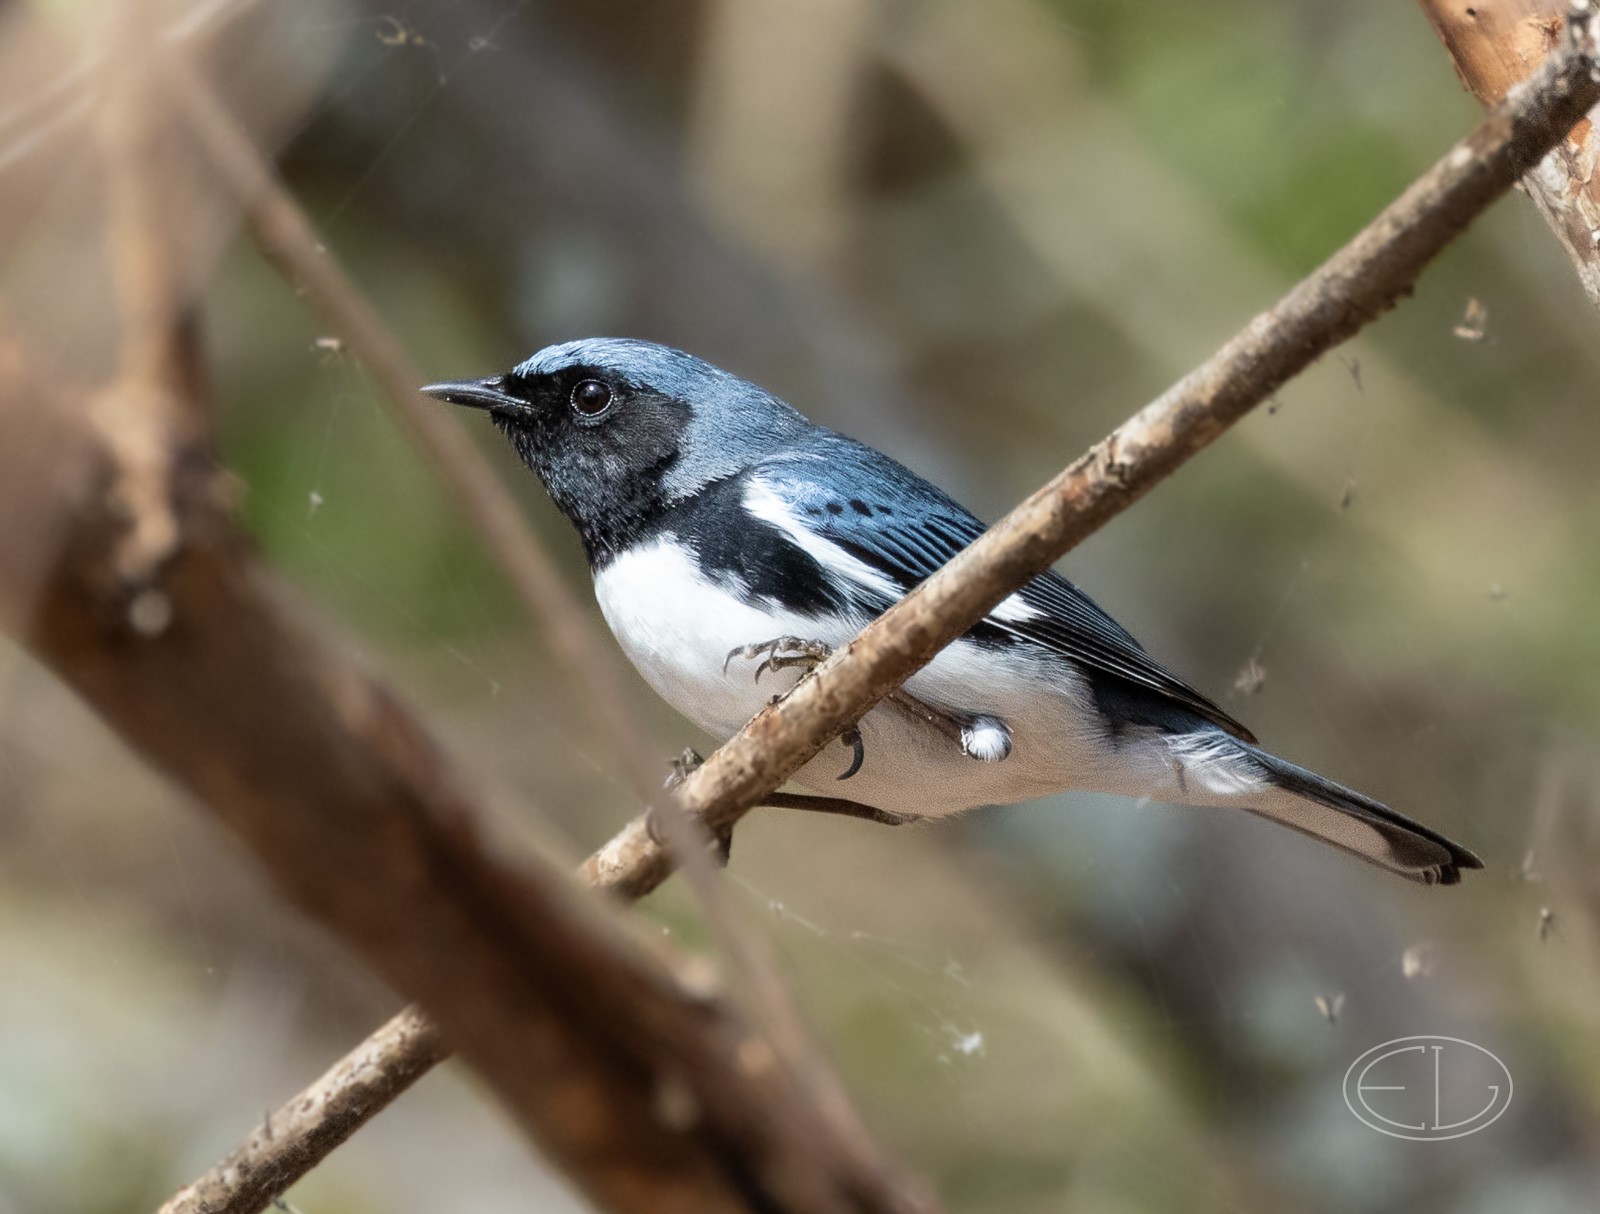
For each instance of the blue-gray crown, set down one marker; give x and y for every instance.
(732, 422)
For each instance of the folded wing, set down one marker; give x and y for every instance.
(878, 513)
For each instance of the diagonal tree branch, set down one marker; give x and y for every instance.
(301, 1134)
(1356, 285)
(1348, 291)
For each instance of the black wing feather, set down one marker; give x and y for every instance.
(885, 515)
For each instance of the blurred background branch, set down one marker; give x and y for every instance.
(591, 668)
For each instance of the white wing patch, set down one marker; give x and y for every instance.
(1213, 762)
(766, 505)
(1013, 610)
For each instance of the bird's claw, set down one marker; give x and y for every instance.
(790, 652)
(781, 653)
(682, 765)
(852, 738)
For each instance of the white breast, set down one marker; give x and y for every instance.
(677, 627)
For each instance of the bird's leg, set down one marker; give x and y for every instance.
(836, 805)
(981, 736)
(690, 759)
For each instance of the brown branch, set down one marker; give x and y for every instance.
(1494, 45)
(293, 1140)
(1354, 287)
(651, 1094)
(154, 390)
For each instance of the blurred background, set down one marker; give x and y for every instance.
(977, 236)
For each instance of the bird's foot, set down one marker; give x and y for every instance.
(685, 762)
(787, 653)
(781, 653)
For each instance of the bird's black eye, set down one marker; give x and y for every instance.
(591, 398)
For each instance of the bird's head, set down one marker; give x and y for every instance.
(619, 430)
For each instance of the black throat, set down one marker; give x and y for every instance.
(610, 512)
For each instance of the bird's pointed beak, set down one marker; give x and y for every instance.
(487, 394)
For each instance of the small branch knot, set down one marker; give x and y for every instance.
(1112, 461)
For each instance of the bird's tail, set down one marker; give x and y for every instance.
(1304, 801)
(1216, 768)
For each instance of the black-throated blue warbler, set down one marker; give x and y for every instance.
(719, 524)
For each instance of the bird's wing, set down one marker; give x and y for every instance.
(882, 515)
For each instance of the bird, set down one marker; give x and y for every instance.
(729, 538)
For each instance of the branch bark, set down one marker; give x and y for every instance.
(1494, 45)
(1352, 288)
(300, 1135)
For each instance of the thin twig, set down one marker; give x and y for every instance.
(1355, 286)
(298, 1136)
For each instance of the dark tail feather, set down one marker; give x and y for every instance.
(1358, 824)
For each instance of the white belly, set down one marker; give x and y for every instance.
(677, 627)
